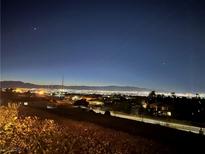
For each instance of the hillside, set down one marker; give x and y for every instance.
(20, 84)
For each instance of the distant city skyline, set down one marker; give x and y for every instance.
(150, 44)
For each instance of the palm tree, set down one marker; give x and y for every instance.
(197, 95)
(173, 94)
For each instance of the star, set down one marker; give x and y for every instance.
(35, 28)
(163, 63)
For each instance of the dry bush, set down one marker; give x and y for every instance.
(33, 135)
(27, 135)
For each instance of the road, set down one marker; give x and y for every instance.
(178, 126)
(183, 127)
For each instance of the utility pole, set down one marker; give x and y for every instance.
(62, 86)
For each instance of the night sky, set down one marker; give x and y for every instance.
(152, 44)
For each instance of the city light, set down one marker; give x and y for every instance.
(41, 92)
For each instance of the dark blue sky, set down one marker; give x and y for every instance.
(156, 44)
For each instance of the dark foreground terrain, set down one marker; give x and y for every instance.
(116, 135)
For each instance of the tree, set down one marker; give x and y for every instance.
(107, 113)
(81, 102)
(173, 94)
(28, 94)
(197, 95)
(152, 97)
(9, 90)
(152, 94)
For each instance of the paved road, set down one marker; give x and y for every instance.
(178, 126)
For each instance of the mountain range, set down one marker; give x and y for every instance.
(20, 84)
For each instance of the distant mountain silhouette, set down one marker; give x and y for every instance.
(20, 84)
